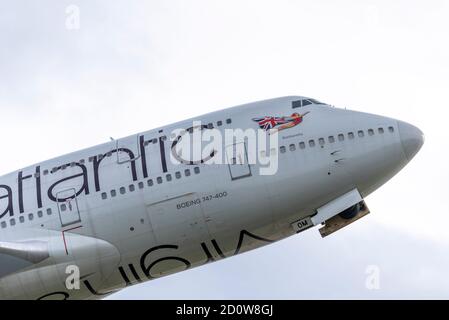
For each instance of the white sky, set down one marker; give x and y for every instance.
(136, 65)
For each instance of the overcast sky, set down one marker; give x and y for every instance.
(135, 65)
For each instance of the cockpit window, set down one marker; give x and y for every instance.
(296, 104)
(316, 101)
(305, 102)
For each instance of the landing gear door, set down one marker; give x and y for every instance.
(237, 159)
(68, 208)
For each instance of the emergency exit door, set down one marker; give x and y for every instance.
(237, 159)
(68, 207)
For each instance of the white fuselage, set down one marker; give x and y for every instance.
(124, 213)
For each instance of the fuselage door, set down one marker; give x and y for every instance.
(68, 207)
(237, 159)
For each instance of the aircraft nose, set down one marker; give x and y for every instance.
(412, 139)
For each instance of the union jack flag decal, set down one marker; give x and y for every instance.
(280, 123)
(266, 123)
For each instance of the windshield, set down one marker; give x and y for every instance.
(305, 102)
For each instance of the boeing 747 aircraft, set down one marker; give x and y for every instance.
(86, 224)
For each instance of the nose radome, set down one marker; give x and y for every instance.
(412, 139)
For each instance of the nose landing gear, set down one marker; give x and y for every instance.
(345, 218)
(351, 212)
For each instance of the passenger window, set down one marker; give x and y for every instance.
(361, 134)
(122, 190)
(381, 130)
(282, 148)
(178, 175)
(30, 216)
(321, 141)
(228, 121)
(219, 123)
(140, 184)
(63, 207)
(302, 145)
(371, 132)
(196, 170)
(187, 172)
(12, 222)
(292, 147)
(103, 196)
(150, 183)
(351, 135)
(40, 214)
(159, 180)
(341, 137)
(391, 129)
(312, 143)
(3, 224)
(331, 139)
(113, 193)
(21, 219)
(168, 176)
(49, 211)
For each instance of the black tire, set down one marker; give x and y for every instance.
(351, 212)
